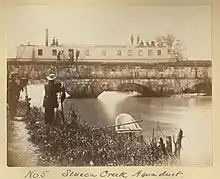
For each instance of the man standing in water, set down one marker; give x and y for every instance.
(50, 102)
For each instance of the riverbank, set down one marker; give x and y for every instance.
(20, 152)
(81, 144)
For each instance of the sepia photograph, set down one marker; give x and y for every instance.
(109, 86)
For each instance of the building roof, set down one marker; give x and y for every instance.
(89, 45)
(106, 46)
(96, 45)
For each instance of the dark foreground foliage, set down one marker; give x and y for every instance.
(80, 144)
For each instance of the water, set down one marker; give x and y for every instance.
(36, 93)
(165, 115)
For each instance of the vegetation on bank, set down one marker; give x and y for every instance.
(205, 86)
(80, 144)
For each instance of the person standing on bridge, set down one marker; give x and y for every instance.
(77, 55)
(50, 102)
(59, 56)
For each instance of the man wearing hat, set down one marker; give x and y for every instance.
(13, 94)
(50, 99)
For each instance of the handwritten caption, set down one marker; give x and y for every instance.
(103, 174)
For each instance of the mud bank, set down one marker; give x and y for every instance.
(21, 153)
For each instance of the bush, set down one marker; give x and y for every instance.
(79, 144)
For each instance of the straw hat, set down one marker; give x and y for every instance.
(51, 77)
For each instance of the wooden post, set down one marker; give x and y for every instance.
(162, 146)
(178, 144)
(169, 145)
(153, 139)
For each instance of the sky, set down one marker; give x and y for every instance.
(112, 25)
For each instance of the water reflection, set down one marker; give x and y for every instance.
(111, 100)
(193, 115)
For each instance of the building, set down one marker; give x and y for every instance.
(92, 53)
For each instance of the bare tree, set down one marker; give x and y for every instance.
(174, 45)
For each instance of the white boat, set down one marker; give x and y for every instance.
(125, 123)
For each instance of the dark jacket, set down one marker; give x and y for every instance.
(51, 90)
(13, 91)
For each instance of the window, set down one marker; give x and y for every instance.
(150, 52)
(40, 52)
(118, 52)
(87, 53)
(158, 52)
(103, 52)
(54, 52)
(129, 52)
(140, 52)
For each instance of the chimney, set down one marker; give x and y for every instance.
(46, 44)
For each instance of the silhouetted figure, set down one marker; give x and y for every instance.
(50, 99)
(59, 56)
(13, 93)
(177, 57)
(138, 40)
(147, 44)
(152, 44)
(132, 39)
(71, 56)
(57, 42)
(77, 55)
(141, 44)
(54, 41)
(159, 44)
